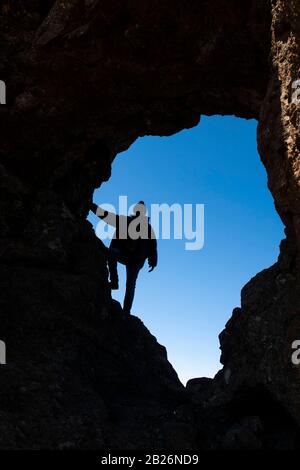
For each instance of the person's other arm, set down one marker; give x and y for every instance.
(152, 257)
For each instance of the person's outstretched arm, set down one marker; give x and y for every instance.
(108, 217)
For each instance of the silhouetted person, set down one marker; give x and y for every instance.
(133, 242)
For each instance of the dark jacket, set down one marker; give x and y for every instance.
(137, 250)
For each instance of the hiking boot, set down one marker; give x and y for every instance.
(114, 285)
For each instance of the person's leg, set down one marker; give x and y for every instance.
(132, 272)
(113, 268)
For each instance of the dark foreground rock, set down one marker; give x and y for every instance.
(95, 381)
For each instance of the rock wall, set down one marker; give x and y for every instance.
(257, 343)
(84, 79)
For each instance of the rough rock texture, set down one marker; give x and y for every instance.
(84, 79)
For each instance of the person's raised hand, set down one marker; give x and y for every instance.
(94, 208)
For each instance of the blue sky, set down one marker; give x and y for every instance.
(186, 301)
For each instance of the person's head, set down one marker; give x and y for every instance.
(140, 209)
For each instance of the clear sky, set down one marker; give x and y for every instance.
(186, 301)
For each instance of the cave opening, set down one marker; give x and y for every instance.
(188, 299)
